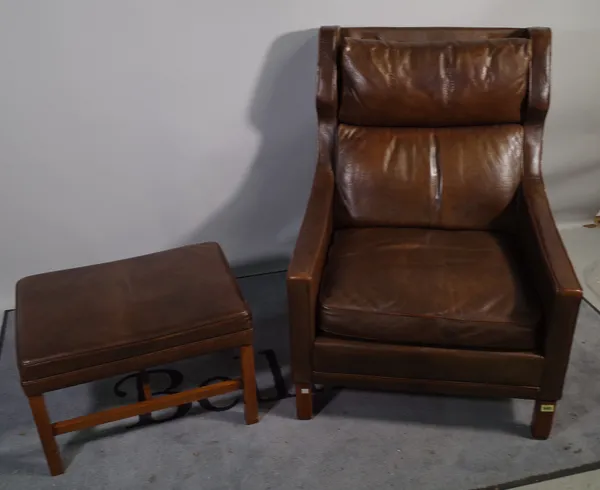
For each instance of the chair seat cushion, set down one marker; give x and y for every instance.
(88, 316)
(427, 287)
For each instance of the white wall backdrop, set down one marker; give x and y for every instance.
(130, 126)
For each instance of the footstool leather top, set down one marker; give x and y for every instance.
(89, 316)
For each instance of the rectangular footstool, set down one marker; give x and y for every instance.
(80, 325)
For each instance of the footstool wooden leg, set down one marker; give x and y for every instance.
(543, 416)
(304, 402)
(249, 383)
(145, 385)
(144, 391)
(44, 427)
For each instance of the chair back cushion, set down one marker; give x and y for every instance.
(433, 84)
(424, 177)
(430, 134)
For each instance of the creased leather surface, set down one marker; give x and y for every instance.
(427, 287)
(88, 316)
(386, 83)
(441, 178)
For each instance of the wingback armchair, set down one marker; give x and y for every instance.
(428, 259)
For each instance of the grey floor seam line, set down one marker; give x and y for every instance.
(261, 274)
(543, 477)
(591, 305)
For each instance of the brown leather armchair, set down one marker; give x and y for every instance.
(428, 259)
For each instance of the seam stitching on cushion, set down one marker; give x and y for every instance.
(62, 357)
(429, 317)
(431, 345)
(34, 381)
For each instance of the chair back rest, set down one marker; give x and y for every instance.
(428, 127)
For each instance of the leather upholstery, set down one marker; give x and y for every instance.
(420, 177)
(427, 287)
(387, 83)
(339, 355)
(556, 284)
(430, 34)
(439, 137)
(137, 363)
(306, 267)
(106, 313)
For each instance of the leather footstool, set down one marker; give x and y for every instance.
(83, 324)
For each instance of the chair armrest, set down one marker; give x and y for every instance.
(556, 283)
(305, 269)
(547, 240)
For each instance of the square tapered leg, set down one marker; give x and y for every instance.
(304, 402)
(45, 431)
(249, 382)
(543, 417)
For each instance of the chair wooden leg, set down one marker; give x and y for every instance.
(543, 416)
(249, 383)
(304, 401)
(44, 428)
